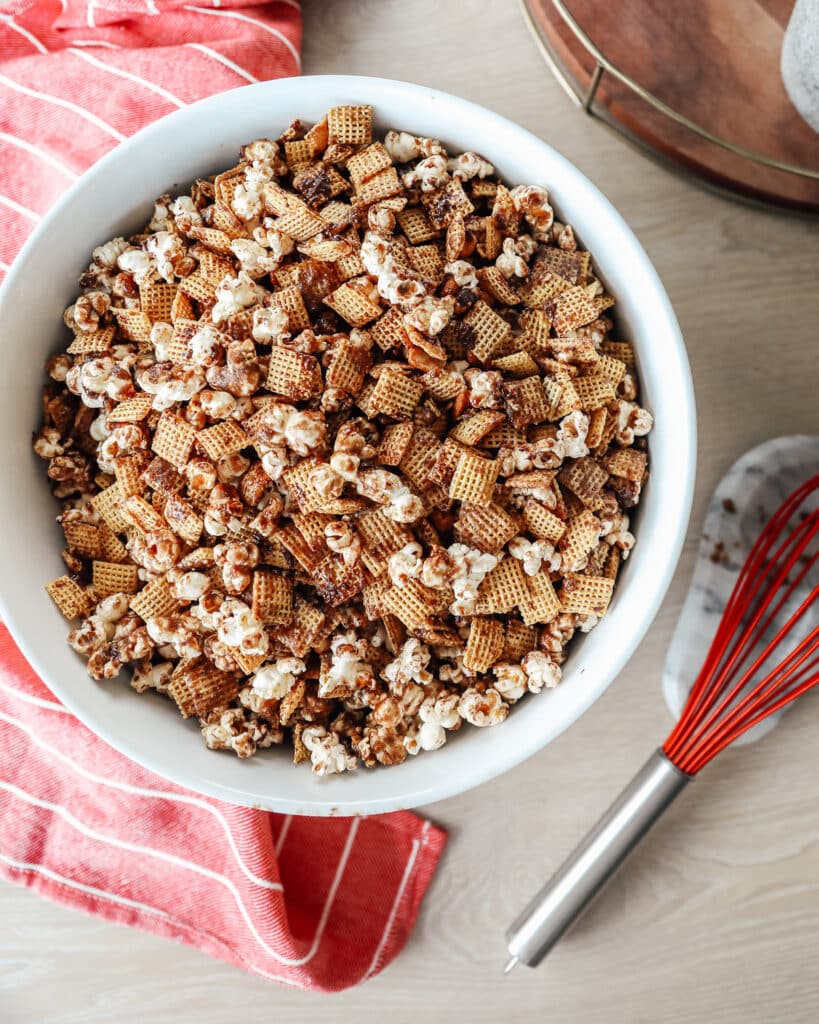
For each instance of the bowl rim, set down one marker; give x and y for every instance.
(668, 556)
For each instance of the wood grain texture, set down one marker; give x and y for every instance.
(717, 918)
(715, 63)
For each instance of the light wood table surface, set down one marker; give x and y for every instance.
(716, 918)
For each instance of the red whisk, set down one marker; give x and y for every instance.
(764, 655)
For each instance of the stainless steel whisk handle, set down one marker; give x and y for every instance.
(564, 898)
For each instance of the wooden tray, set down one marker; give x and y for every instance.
(662, 72)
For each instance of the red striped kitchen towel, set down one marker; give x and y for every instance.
(78, 76)
(315, 903)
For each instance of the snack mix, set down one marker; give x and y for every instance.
(345, 452)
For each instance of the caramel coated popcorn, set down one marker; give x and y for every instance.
(345, 449)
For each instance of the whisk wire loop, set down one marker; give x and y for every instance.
(758, 704)
(726, 681)
(726, 630)
(727, 699)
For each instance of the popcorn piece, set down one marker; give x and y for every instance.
(234, 294)
(405, 564)
(469, 165)
(572, 433)
(482, 709)
(533, 554)
(510, 263)
(270, 325)
(341, 538)
(431, 315)
(188, 586)
(470, 568)
(409, 667)
(429, 174)
(346, 671)
(437, 715)
(533, 202)
(463, 274)
(401, 146)
(238, 627)
(540, 671)
(622, 541)
(510, 681)
(147, 676)
(327, 754)
(276, 680)
(236, 730)
(632, 421)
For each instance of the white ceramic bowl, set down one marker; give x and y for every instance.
(113, 198)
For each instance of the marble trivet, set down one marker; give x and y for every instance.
(800, 60)
(750, 492)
